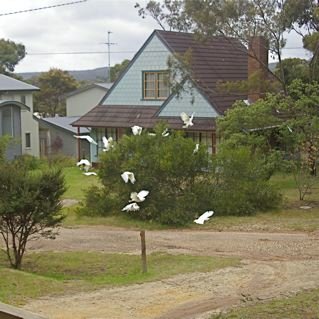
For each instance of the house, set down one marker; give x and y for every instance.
(57, 133)
(16, 117)
(142, 96)
(82, 100)
(57, 137)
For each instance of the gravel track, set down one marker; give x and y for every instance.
(273, 265)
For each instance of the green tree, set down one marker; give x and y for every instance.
(11, 54)
(118, 68)
(294, 68)
(29, 206)
(53, 85)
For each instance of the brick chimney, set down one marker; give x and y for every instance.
(257, 66)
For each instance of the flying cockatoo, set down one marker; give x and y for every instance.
(86, 137)
(165, 132)
(108, 143)
(131, 207)
(139, 197)
(128, 176)
(137, 130)
(204, 217)
(289, 128)
(90, 174)
(196, 149)
(85, 164)
(188, 120)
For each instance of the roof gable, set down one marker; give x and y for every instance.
(10, 84)
(217, 59)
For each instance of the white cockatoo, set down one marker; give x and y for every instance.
(86, 137)
(165, 132)
(131, 207)
(204, 217)
(196, 149)
(90, 174)
(188, 120)
(139, 197)
(289, 128)
(85, 164)
(128, 176)
(137, 130)
(108, 143)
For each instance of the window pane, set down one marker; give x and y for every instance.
(150, 94)
(7, 122)
(28, 140)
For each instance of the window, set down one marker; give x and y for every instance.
(28, 140)
(22, 99)
(7, 121)
(204, 138)
(155, 85)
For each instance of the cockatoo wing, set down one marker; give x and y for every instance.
(125, 177)
(207, 214)
(142, 194)
(134, 197)
(184, 117)
(105, 142)
(131, 207)
(131, 177)
(90, 174)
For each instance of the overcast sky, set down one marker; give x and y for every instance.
(81, 27)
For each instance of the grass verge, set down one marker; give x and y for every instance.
(66, 272)
(304, 305)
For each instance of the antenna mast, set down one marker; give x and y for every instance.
(109, 43)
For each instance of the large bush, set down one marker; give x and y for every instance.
(165, 166)
(242, 183)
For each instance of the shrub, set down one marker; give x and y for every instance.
(165, 166)
(242, 183)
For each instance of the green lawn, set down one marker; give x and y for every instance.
(77, 183)
(288, 218)
(305, 305)
(67, 272)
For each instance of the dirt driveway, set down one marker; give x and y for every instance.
(273, 264)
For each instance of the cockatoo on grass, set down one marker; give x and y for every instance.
(137, 130)
(86, 137)
(128, 176)
(188, 120)
(85, 164)
(131, 207)
(204, 217)
(90, 174)
(139, 197)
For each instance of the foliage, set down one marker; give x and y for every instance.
(118, 68)
(242, 184)
(53, 85)
(10, 55)
(288, 124)
(294, 68)
(4, 142)
(29, 206)
(168, 14)
(166, 167)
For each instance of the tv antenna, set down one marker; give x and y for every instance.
(109, 43)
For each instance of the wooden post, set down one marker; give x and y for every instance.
(143, 250)
(79, 144)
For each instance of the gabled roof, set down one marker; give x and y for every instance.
(64, 122)
(215, 59)
(104, 86)
(10, 84)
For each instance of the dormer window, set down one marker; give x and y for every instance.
(155, 85)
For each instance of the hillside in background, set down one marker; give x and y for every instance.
(95, 75)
